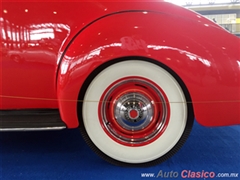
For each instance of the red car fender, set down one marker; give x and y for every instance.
(192, 49)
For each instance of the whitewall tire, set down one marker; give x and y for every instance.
(135, 113)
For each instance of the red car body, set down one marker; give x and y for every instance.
(49, 49)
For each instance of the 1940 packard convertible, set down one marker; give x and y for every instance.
(132, 75)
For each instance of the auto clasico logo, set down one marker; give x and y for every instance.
(186, 174)
(189, 174)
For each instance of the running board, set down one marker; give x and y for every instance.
(30, 120)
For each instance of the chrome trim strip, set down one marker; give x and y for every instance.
(32, 129)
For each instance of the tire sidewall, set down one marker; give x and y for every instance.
(160, 147)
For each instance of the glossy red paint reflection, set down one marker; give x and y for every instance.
(48, 49)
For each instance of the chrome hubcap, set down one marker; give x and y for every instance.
(133, 111)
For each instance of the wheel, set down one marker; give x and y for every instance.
(134, 113)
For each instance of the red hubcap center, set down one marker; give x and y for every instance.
(133, 114)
